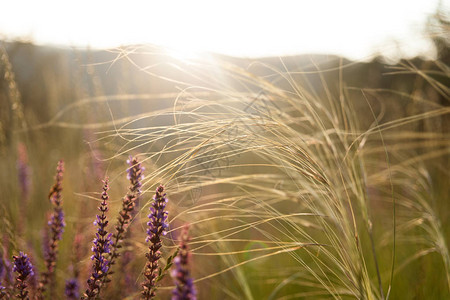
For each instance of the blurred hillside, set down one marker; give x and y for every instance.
(49, 79)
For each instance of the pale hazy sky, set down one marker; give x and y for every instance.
(354, 28)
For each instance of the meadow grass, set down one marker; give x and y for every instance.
(293, 188)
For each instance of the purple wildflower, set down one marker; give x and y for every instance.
(71, 289)
(23, 267)
(184, 285)
(157, 226)
(77, 253)
(128, 280)
(2, 291)
(135, 175)
(45, 236)
(23, 171)
(102, 243)
(56, 226)
(33, 279)
(2, 269)
(57, 223)
(6, 272)
(4, 265)
(72, 286)
(127, 212)
(5, 276)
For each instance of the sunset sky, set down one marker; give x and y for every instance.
(357, 29)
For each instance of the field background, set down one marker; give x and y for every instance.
(219, 132)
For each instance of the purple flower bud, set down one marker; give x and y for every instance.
(72, 289)
(102, 243)
(23, 170)
(22, 265)
(24, 269)
(157, 226)
(5, 270)
(2, 291)
(135, 174)
(130, 201)
(56, 228)
(184, 285)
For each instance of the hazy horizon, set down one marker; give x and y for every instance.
(351, 29)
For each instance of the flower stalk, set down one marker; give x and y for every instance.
(101, 248)
(24, 269)
(56, 225)
(71, 289)
(157, 227)
(184, 285)
(135, 175)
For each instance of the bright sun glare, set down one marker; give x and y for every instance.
(356, 29)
